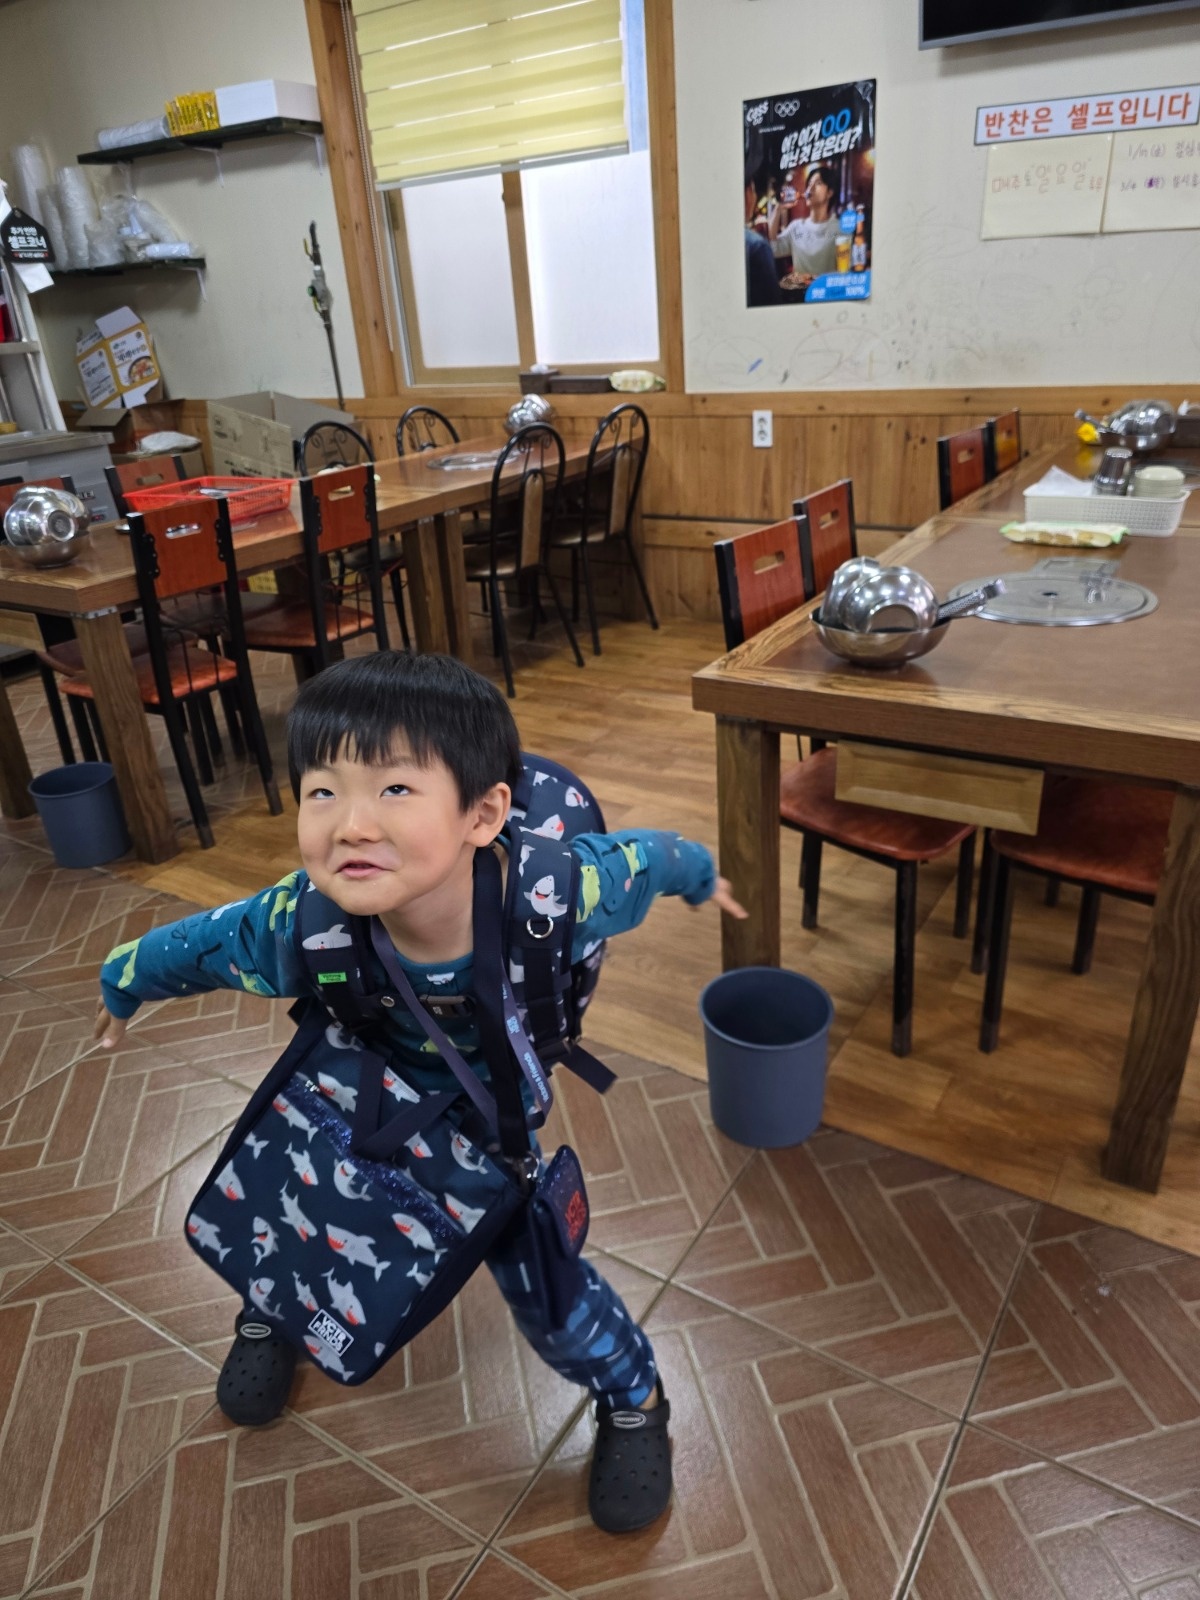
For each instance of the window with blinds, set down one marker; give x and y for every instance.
(455, 85)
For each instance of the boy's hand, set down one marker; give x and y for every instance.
(109, 1030)
(722, 898)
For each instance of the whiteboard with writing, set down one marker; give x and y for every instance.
(1034, 190)
(1154, 181)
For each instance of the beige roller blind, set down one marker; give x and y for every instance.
(453, 85)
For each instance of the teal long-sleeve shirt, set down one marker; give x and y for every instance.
(248, 944)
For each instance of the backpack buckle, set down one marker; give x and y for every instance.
(544, 933)
(448, 1007)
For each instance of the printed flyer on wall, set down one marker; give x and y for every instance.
(809, 194)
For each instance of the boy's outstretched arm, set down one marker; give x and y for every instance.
(243, 945)
(623, 873)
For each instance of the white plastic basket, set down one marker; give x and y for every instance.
(1139, 513)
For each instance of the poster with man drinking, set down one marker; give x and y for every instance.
(809, 190)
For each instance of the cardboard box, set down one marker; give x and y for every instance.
(254, 435)
(193, 461)
(268, 97)
(131, 424)
(116, 361)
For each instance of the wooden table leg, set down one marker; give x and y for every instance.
(107, 662)
(454, 585)
(14, 764)
(748, 808)
(431, 628)
(1164, 1012)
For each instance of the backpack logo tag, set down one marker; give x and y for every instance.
(330, 1332)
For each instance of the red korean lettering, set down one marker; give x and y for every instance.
(1152, 110)
(1043, 118)
(1079, 114)
(1180, 106)
(1102, 114)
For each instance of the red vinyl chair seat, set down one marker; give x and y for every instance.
(1113, 835)
(192, 671)
(807, 802)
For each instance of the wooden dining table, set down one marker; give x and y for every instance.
(417, 497)
(962, 730)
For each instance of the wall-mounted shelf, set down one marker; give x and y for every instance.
(194, 264)
(213, 142)
(180, 264)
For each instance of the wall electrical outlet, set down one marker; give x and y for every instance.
(761, 423)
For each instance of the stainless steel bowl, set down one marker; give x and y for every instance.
(891, 648)
(46, 527)
(893, 597)
(840, 585)
(528, 409)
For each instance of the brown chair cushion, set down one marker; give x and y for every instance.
(807, 801)
(290, 627)
(193, 671)
(1111, 834)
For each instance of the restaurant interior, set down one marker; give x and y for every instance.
(851, 539)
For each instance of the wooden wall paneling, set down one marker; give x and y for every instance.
(354, 197)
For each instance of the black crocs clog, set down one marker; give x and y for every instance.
(630, 1485)
(257, 1376)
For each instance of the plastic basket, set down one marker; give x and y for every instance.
(248, 498)
(1138, 513)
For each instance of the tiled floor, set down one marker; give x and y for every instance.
(886, 1379)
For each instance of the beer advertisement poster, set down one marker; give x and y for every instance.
(809, 194)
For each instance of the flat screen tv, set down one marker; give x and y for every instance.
(964, 21)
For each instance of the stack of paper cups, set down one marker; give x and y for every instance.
(32, 175)
(78, 206)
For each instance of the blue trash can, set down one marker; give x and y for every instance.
(766, 1041)
(81, 812)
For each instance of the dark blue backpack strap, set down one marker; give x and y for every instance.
(333, 947)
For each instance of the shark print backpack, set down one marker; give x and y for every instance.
(349, 1208)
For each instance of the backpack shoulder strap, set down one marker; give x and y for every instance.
(332, 948)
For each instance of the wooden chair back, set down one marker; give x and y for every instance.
(613, 477)
(964, 464)
(828, 535)
(1006, 441)
(338, 508)
(10, 487)
(182, 548)
(761, 578)
(423, 428)
(145, 474)
(338, 511)
(533, 492)
(331, 444)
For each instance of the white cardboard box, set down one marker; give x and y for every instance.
(268, 97)
(251, 435)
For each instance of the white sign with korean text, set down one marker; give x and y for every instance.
(1154, 182)
(1096, 113)
(1035, 193)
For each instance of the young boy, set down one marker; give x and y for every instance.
(403, 767)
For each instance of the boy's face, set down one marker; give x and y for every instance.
(381, 838)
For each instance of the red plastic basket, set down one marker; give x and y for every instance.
(248, 498)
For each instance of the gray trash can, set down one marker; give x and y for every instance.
(766, 1040)
(81, 813)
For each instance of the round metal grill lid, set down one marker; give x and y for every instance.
(1064, 592)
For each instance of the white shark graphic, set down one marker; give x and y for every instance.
(466, 1216)
(345, 1300)
(295, 1218)
(323, 1354)
(335, 938)
(305, 1170)
(266, 1240)
(342, 1094)
(344, 1175)
(207, 1235)
(260, 1293)
(355, 1247)
(293, 1117)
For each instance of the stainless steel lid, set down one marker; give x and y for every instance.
(1065, 592)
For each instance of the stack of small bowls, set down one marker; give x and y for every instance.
(877, 616)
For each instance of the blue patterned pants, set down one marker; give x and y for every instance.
(600, 1346)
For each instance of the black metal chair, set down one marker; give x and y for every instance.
(179, 550)
(419, 429)
(340, 531)
(524, 506)
(611, 485)
(327, 445)
(331, 444)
